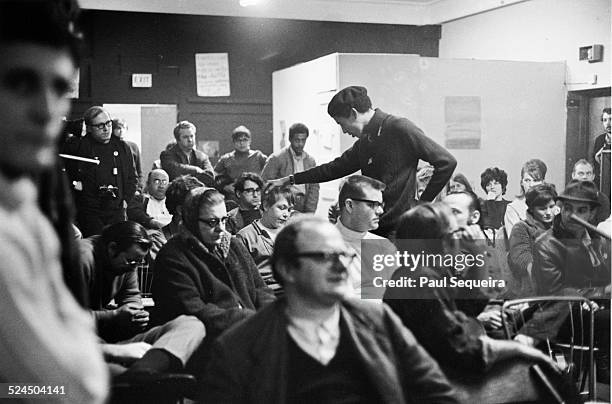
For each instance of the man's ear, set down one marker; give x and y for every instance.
(112, 249)
(284, 271)
(354, 114)
(348, 205)
(475, 217)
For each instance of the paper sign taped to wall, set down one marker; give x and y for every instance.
(462, 118)
(212, 74)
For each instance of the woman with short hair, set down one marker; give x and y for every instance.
(540, 202)
(533, 173)
(258, 237)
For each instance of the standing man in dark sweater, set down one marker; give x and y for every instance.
(101, 190)
(388, 149)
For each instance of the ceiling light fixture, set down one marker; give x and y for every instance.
(251, 3)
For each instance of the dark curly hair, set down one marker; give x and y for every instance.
(494, 174)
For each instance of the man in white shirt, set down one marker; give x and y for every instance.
(317, 345)
(361, 205)
(150, 210)
(45, 337)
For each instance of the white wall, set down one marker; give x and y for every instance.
(537, 30)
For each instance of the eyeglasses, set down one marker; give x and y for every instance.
(372, 204)
(102, 125)
(135, 263)
(345, 257)
(252, 191)
(160, 182)
(214, 222)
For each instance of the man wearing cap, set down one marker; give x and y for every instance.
(571, 260)
(101, 190)
(388, 149)
(242, 159)
(183, 158)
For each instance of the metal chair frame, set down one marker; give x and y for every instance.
(571, 300)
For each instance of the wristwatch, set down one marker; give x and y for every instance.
(291, 180)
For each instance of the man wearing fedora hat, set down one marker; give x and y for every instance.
(570, 260)
(388, 149)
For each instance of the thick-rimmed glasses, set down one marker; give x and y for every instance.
(101, 126)
(372, 204)
(214, 222)
(345, 257)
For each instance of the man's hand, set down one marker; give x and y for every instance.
(276, 183)
(472, 232)
(490, 319)
(525, 340)
(132, 315)
(156, 224)
(504, 349)
(125, 353)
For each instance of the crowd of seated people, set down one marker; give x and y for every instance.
(212, 261)
(214, 265)
(72, 309)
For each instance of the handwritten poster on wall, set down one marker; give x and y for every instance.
(212, 74)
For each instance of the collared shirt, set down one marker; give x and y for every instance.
(298, 167)
(158, 211)
(587, 241)
(319, 339)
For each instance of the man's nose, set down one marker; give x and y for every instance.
(42, 106)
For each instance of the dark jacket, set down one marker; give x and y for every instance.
(137, 210)
(191, 280)
(562, 262)
(448, 334)
(101, 285)
(249, 362)
(175, 163)
(562, 267)
(86, 172)
(280, 164)
(520, 255)
(389, 152)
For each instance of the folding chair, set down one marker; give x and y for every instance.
(576, 351)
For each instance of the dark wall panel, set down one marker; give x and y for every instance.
(121, 43)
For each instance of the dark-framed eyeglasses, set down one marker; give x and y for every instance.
(252, 191)
(101, 126)
(372, 204)
(346, 257)
(215, 221)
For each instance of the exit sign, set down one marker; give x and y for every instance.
(142, 80)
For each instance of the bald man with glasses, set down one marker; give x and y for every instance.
(317, 344)
(101, 190)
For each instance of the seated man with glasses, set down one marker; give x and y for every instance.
(248, 188)
(204, 272)
(101, 191)
(361, 206)
(150, 209)
(316, 345)
(109, 263)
